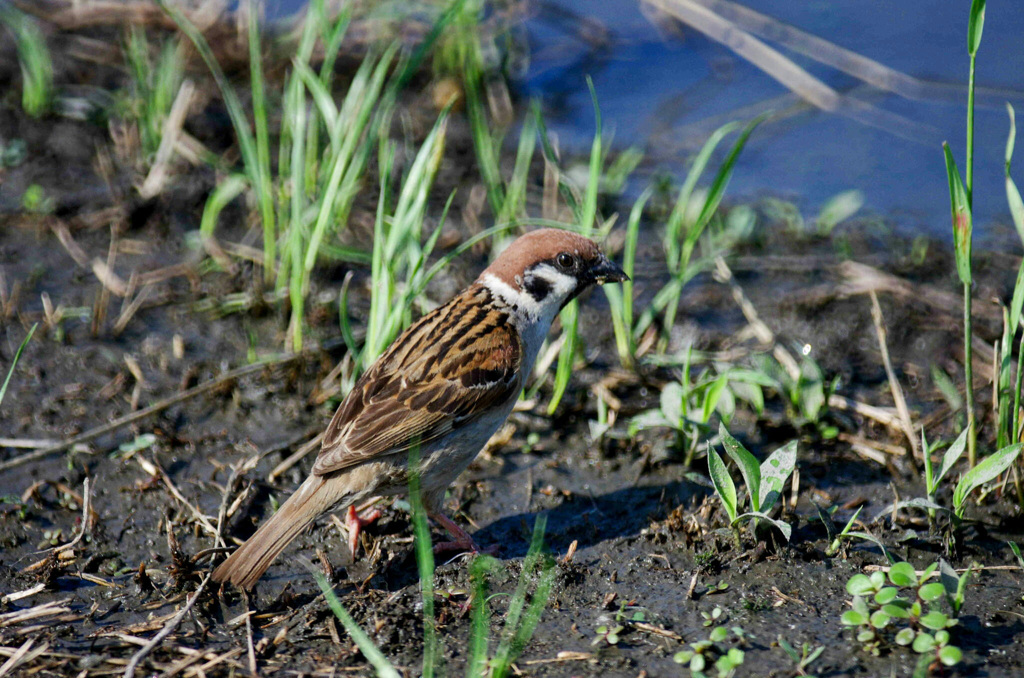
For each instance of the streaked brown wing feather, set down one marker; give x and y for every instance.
(455, 362)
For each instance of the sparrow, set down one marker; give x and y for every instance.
(445, 385)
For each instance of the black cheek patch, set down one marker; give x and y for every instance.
(537, 287)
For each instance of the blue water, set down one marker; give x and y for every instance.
(664, 89)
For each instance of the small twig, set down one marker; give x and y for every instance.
(295, 457)
(141, 414)
(167, 630)
(761, 331)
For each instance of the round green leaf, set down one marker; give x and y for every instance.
(718, 634)
(886, 595)
(853, 618)
(698, 663)
(915, 608)
(905, 637)
(866, 636)
(880, 619)
(950, 655)
(924, 643)
(931, 592)
(877, 580)
(942, 637)
(902, 574)
(894, 609)
(683, 656)
(934, 620)
(859, 585)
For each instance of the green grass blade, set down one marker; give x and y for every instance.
(264, 191)
(521, 620)
(750, 467)
(724, 486)
(775, 470)
(566, 355)
(1012, 193)
(961, 214)
(953, 453)
(987, 470)
(14, 363)
(372, 653)
(975, 24)
(425, 563)
(480, 617)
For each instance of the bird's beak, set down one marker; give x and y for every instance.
(606, 270)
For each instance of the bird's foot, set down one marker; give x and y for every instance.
(355, 522)
(462, 541)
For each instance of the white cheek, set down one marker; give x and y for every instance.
(562, 285)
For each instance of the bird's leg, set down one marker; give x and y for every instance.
(354, 523)
(462, 542)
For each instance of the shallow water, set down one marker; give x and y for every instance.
(666, 90)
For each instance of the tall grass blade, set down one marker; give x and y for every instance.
(380, 663)
(14, 362)
(522, 619)
(425, 563)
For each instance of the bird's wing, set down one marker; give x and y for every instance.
(451, 366)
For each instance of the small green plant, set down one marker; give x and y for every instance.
(804, 658)
(690, 216)
(37, 91)
(687, 405)
(961, 205)
(764, 482)
(705, 656)
(807, 392)
(611, 631)
(904, 611)
(154, 85)
(836, 537)
(35, 200)
(14, 363)
(990, 468)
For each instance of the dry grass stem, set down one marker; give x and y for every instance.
(894, 384)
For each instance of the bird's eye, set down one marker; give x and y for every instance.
(565, 261)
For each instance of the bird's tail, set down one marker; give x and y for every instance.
(246, 565)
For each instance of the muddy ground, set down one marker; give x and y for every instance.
(646, 536)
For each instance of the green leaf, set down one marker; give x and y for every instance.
(648, 419)
(853, 618)
(749, 466)
(950, 655)
(724, 486)
(905, 636)
(683, 656)
(975, 24)
(924, 643)
(895, 609)
(14, 362)
(987, 470)
(775, 470)
(903, 574)
(961, 212)
(955, 451)
(785, 528)
(887, 595)
(1012, 194)
(672, 397)
(1016, 552)
(718, 634)
(859, 585)
(934, 620)
(932, 592)
(811, 388)
(880, 619)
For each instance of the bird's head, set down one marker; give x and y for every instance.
(547, 268)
